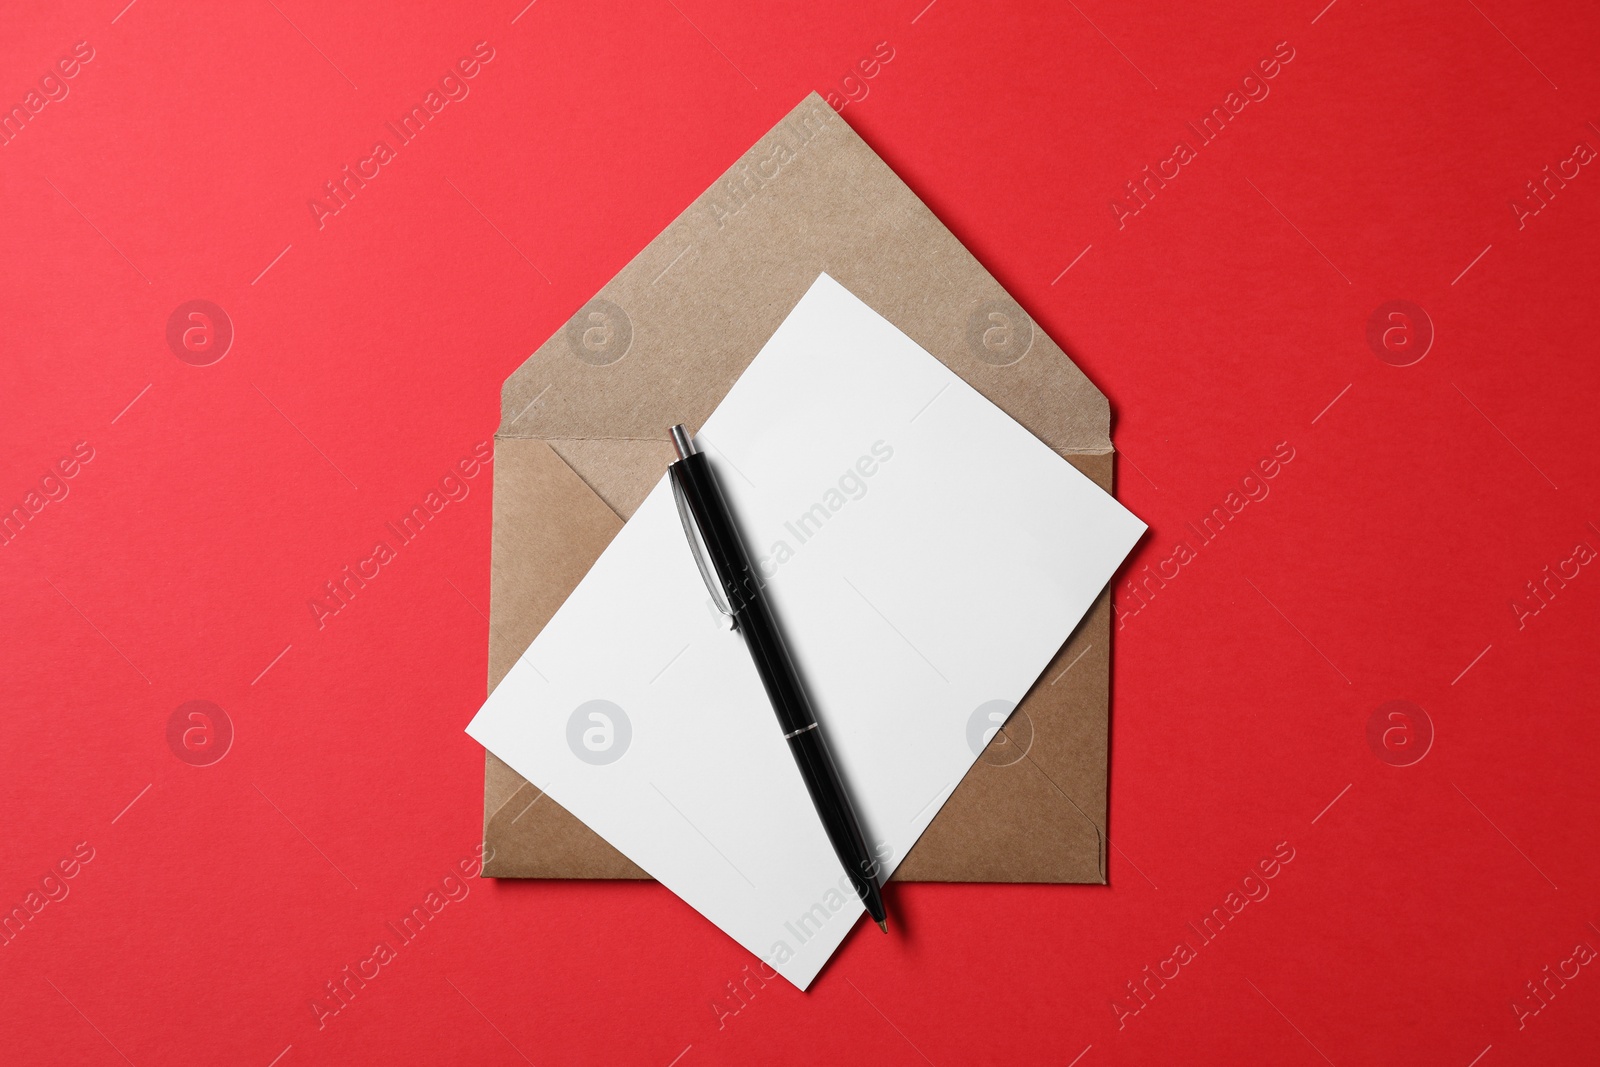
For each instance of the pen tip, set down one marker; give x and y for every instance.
(883, 924)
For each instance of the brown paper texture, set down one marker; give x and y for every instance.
(583, 439)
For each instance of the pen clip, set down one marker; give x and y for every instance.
(697, 549)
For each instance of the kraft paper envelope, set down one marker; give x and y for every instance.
(907, 533)
(582, 441)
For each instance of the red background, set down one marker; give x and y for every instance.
(1222, 319)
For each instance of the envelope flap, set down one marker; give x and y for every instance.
(666, 338)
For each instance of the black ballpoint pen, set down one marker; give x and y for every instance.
(708, 524)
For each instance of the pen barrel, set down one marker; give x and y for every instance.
(753, 618)
(827, 790)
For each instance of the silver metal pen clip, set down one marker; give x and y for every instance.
(684, 445)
